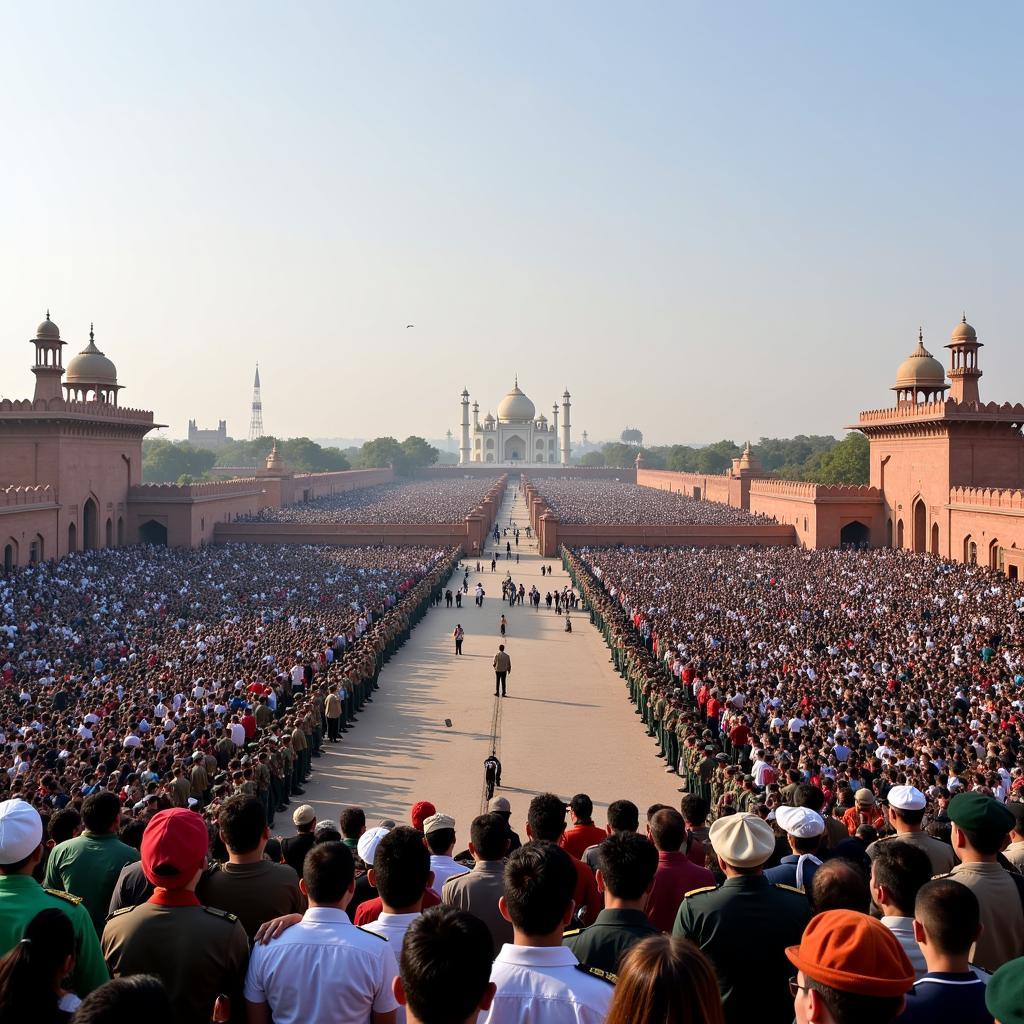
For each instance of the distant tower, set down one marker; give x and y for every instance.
(464, 449)
(963, 372)
(256, 422)
(586, 440)
(49, 366)
(449, 435)
(566, 442)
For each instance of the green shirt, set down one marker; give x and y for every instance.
(88, 866)
(22, 897)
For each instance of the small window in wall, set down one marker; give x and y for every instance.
(805, 522)
(33, 553)
(490, 444)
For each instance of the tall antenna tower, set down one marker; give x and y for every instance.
(256, 422)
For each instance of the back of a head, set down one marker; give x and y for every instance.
(100, 811)
(328, 871)
(62, 825)
(665, 979)
(901, 869)
(668, 830)
(242, 820)
(441, 840)
(30, 970)
(809, 796)
(695, 809)
(445, 965)
(539, 883)
(352, 822)
(839, 884)
(623, 816)
(127, 1000)
(950, 914)
(489, 834)
(627, 863)
(546, 817)
(582, 807)
(401, 866)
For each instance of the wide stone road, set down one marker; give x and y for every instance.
(566, 725)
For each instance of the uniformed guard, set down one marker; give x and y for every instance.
(804, 829)
(1004, 996)
(198, 952)
(746, 911)
(22, 897)
(906, 812)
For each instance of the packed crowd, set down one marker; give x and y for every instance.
(398, 503)
(620, 503)
(651, 918)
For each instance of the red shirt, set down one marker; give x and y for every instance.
(249, 725)
(676, 876)
(576, 839)
(586, 894)
(739, 735)
(370, 910)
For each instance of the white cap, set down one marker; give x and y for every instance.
(368, 842)
(801, 822)
(742, 840)
(21, 831)
(906, 798)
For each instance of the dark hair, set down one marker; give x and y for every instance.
(489, 835)
(668, 830)
(243, 821)
(623, 816)
(627, 862)
(809, 796)
(855, 1008)
(695, 809)
(328, 871)
(125, 1000)
(665, 979)
(130, 833)
(352, 822)
(582, 806)
(540, 880)
(902, 869)
(907, 817)
(445, 965)
(654, 808)
(401, 866)
(950, 914)
(63, 824)
(440, 840)
(839, 884)
(100, 811)
(32, 970)
(986, 843)
(546, 817)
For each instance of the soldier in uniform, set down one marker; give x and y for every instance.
(906, 811)
(725, 920)
(22, 897)
(198, 952)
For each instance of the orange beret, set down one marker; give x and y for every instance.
(852, 952)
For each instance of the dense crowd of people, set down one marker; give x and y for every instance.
(625, 504)
(397, 503)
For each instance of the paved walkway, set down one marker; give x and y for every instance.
(565, 726)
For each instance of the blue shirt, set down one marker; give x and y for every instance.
(785, 872)
(945, 998)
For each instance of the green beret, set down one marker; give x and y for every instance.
(976, 812)
(1004, 994)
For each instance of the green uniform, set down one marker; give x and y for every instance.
(88, 866)
(612, 933)
(744, 926)
(22, 897)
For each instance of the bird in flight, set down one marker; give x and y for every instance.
(407, 326)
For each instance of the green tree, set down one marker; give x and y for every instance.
(592, 459)
(164, 461)
(846, 462)
(417, 453)
(381, 452)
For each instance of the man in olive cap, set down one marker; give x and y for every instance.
(1004, 997)
(745, 925)
(981, 826)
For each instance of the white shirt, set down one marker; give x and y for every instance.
(237, 731)
(392, 927)
(323, 969)
(444, 868)
(903, 929)
(542, 985)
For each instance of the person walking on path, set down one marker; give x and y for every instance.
(459, 635)
(502, 667)
(503, 624)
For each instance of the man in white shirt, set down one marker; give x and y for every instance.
(354, 971)
(401, 874)
(898, 871)
(439, 833)
(537, 978)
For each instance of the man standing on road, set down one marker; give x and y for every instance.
(459, 635)
(492, 773)
(502, 667)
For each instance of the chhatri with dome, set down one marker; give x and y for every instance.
(517, 435)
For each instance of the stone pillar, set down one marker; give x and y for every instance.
(566, 440)
(464, 452)
(475, 532)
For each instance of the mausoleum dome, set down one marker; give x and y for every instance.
(920, 370)
(515, 407)
(91, 366)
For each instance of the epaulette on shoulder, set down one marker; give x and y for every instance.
(596, 972)
(119, 912)
(571, 932)
(61, 895)
(945, 874)
(790, 888)
(703, 888)
(374, 934)
(221, 913)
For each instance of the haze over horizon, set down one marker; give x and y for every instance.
(704, 221)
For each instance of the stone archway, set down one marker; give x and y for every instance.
(72, 537)
(920, 527)
(89, 515)
(854, 533)
(935, 539)
(152, 532)
(899, 533)
(514, 449)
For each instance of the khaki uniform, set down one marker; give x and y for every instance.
(254, 892)
(939, 853)
(1002, 937)
(196, 951)
(478, 891)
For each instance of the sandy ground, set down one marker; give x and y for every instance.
(566, 725)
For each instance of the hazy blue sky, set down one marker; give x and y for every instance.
(707, 220)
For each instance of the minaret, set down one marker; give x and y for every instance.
(49, 366)
(963, 363)
(256, 421)
(464, 450)
(554, 419)
(476, 416)
(566, 442)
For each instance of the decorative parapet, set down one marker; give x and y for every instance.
(812, 491)
(205, 490)
(95, 410)
(948, 410)
(987, 498)
(23, 497)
